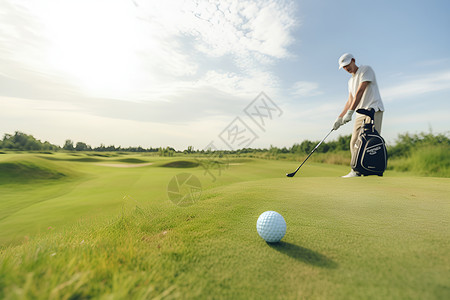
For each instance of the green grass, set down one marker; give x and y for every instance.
(132, 160)
(180, 164)
(30, 169)
(112, 233)
(426, 161)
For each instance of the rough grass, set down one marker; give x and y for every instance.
(335, 158)
(425, 161)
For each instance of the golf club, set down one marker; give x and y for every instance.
(293, 173)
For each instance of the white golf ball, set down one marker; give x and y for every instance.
(271, 226)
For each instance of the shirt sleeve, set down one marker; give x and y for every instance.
(368, 75)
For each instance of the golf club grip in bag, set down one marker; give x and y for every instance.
(371, 154)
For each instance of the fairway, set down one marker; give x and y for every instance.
(79, 227)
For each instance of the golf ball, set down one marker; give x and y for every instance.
(271, 226)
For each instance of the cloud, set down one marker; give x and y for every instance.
(145, 50)
(253, 34)
(157, 64)
(413, 86)
(232, 27)
(305, 89)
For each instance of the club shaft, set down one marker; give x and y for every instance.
(317, 146)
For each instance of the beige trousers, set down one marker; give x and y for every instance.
(359, 122)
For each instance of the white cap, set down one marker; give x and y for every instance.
(345, 60)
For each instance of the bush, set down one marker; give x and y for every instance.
(406, 143)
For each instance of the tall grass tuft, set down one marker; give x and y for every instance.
(335, 158)
(425, 161)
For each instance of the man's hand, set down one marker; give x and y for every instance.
(348, 116)
(338, 123)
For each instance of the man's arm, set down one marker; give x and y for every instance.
(350, 106)
(347, 105)
(339, 121)
(353, 104)
(359, 93)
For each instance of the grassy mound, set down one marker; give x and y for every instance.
(181, 164)
(87, 159)
(90, 158)
(78, 159)
(103, 154)
(31, 169)
(132, 160)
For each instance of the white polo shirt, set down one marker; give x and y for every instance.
(371, 97)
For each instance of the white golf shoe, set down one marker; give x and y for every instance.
(351, 174)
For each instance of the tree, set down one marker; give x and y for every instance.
(168, 151)
(190, 149)
(49, 147)
(82, 147)
(20, 139)
(8, 144)
(32, 144)
(68, 145)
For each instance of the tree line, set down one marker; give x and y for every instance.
(25, 142)
(403, 146)
(69, 145)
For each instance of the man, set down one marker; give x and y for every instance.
(363, 93)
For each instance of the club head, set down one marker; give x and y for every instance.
(290, 174)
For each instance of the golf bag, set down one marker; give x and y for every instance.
(371, 154)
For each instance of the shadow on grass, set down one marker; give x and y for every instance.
(304, 255)
(81, 159)
(181, 164)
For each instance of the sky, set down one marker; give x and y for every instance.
(216, 74)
